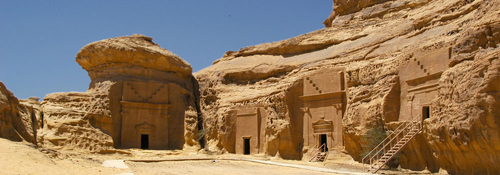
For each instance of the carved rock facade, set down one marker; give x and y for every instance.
(150, 90)
(428, 58)
(140, 96)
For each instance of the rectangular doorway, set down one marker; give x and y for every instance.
(323, 139)
(246, 146)
(426, 112)
(144, 141)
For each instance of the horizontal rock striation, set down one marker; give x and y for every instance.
(70, 121)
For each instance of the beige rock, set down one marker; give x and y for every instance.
(141, 96)
(67, 123)
(18, 120)
(434, 59)
(121, 54)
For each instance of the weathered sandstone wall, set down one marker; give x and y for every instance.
(399, 58)
(19, 120)
(69, 122)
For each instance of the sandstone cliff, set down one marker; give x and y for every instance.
(399, 57)
(19, 120)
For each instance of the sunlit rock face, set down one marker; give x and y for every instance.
(398, 59)
(19, 119)
(132, 56)
(141, 96)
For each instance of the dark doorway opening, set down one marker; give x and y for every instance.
(246, 146)
(41, 119)
(323, 140)
(144, 141)
(426, 112)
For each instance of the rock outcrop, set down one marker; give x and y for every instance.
(141, 96)
(19, 120)
(68, 122)
(130, 55)
(434, 59)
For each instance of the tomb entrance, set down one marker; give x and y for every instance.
(144, 93)
(248, 132)
(323, 99)
(246, 146)
(419, 79)
(144, 141)
(144, 114)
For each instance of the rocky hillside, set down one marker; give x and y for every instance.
(387, 49)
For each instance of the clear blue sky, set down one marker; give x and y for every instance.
(40, 39)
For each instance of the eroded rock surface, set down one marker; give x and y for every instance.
(434, 59)
(19, 120)
(68, 119)
(141, 96)
(134, 52)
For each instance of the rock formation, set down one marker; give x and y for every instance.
(68, 125)
(434, 59)
(141, 96)
(376, 65)
(19, 120)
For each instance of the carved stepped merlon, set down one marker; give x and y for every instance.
(320, 154)
(421, 66)
(393, 144)
(156, 94)
(314, 85)
(136, 94)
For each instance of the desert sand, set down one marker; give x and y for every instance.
(25, 158)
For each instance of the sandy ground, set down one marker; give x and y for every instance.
(23, 158)
(213, 167)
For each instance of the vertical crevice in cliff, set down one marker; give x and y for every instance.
(34, 126)
(197, 96)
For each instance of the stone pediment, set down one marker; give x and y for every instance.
(145, 127)
(322, 126)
